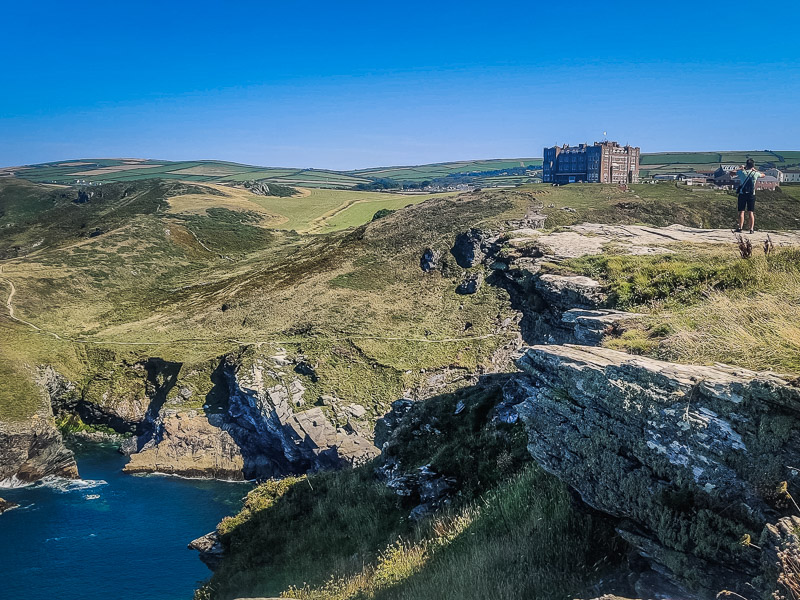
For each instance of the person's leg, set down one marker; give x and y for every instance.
(752, 220)
(741, 219)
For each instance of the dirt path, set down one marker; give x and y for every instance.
(10, 308)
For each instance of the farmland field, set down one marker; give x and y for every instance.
(479, 173)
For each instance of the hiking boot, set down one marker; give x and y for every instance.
(737, 230)
(751, 231)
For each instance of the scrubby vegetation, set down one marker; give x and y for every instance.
(509, 530)
(706, 304)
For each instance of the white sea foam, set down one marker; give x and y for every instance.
(13, 482)
(61, 484)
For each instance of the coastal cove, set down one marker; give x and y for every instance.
(109, 535)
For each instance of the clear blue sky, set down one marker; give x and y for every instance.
(342, 84)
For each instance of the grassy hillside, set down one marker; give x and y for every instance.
(153, 282)
(675, 162)
(100, 170)
(510, 531)
(501, 172)
(144, 268)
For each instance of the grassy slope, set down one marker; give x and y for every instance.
(511, 531)
(664, 204)
(706, 304)
(356, 304)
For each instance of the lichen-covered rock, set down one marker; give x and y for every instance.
(590, 326)
(690, 457)
(572, 291)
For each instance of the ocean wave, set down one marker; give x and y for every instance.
(10, 483)
(63, 485)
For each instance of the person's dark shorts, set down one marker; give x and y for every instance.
(747, 202)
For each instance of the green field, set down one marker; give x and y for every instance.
(479, 173)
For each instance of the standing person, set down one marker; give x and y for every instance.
(747, 193)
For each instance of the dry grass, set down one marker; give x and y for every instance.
(744, 312)
(756, 332)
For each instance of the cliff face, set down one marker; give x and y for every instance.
(690, 458)
(258, 435)
(34, 449)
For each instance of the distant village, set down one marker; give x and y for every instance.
(608, 162)
(725, 177)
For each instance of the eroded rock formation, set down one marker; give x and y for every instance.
(33, 449)
(690, 458)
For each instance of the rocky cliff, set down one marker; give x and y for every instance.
(693, 460)
(260, 432)
(34, 449)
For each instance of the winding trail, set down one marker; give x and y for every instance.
(10, 307)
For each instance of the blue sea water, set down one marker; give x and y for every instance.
(109, 535)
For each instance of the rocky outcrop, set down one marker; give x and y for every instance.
(471, 247)
(689, 458)
(190, 444)
(6, 505)
(210, 549)
(430, 490)
(588, 327)
(33, 449)
(264, 429)
(429, 260)
(570, 291)
(275, 440)
(470, 284)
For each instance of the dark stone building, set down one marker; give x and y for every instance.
(604, 162)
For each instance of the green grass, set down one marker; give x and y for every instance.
(221, 171)
(355, 302)
(326, 210)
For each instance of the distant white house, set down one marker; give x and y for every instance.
(791, 176)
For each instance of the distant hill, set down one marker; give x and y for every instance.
(483, 173)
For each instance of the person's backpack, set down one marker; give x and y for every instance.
(749, 185)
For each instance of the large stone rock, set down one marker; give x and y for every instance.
(588, 327)
(429, 260)
(690, 458)
(470, 284)
(32, 449)
(190, 446)
(210, 549)
(573, 291)
(470, 248)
